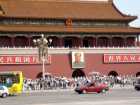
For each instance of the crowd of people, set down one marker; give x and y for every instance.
(52, 82)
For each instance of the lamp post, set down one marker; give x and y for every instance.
(42, 44)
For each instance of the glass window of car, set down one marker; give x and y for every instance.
(1, 88)
(91, 84)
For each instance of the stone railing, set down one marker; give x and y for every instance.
(63, 50)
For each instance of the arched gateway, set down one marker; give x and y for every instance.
(137, 74)
(113, 73)
(39, 75)
(78, 73)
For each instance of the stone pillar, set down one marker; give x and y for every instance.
(77, 41)
(97, 38)
(61, 42)
(94, 40)
(29, 40)
(81, 42)
(12, 40)
(73, 41)
(137, 41)
(125, 41)
(110, 41)
(90, 41)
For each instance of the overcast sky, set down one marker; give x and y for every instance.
(131, 7)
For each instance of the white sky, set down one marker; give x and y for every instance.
(131, 7)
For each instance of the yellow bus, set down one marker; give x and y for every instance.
(13, 80)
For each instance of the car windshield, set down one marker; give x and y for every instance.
(1, 88)
(8, 79)
(91, 84)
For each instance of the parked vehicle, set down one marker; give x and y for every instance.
(92, 87)
(137, 84)
(13, 80)
(4, 91)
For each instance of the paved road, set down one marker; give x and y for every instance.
(113, 97)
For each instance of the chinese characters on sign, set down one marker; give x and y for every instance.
(121, 58)
(22, 59)
(78, 60)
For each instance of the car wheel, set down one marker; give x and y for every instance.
(98, 91)
(80, 92)
(84, 92)
(4, 95)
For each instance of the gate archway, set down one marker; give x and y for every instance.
(78, 73)
(39, 75)
(137, 74)
(113, 73)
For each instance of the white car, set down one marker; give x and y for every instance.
(4, 91)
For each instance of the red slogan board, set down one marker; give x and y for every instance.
(21, 59)
(121, 58)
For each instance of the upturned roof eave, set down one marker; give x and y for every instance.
(25, 9)
(129, 19)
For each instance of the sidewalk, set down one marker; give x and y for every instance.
(71, 89)
(49, 90)
(121, 87)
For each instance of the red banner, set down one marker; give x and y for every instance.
(22, 59)
(121, 58)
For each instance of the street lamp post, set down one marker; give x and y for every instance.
(42, 44)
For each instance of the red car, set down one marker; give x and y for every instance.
(92, 87)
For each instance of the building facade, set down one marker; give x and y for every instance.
(87, 36)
